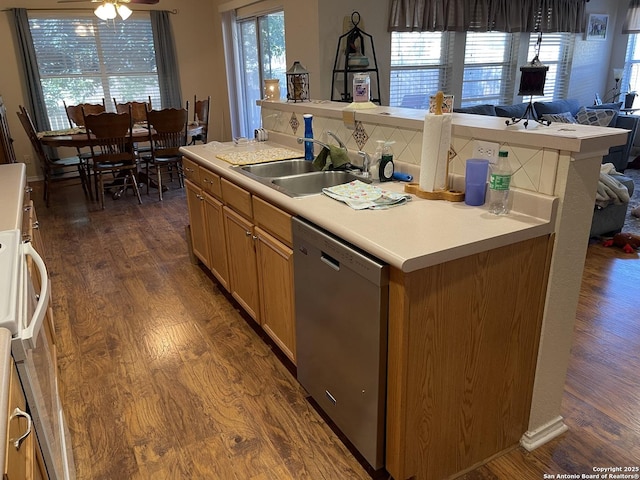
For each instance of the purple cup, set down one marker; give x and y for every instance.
(475, 181)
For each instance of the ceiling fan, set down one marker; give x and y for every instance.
(109, 9)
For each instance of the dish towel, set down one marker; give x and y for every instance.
(331, 158)
(360, 196)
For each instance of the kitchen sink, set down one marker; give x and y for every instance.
(281, 168)
(297, 177)
(310, 183)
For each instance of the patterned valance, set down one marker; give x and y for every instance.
(487, 15)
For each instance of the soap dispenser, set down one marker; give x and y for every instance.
(375, 161)
(385, 168)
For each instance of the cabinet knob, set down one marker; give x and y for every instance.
(200, 197)
(36, 225)
(19, 413)
(247, 233)
(28, 189)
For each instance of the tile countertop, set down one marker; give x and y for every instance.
(5, 374)
(416, 235)
(12, 181)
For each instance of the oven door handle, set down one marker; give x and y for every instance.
(30, 333)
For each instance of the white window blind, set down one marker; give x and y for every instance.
(556, 51)
(419, 67)
(85, 60)
(631, 76)
(489, 61)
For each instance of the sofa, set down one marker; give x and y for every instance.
(609, 219)
(570, 111)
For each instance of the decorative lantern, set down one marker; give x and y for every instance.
(297, 83)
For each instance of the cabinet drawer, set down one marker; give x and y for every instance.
(211, 183)
(191, 170)
(237, 198)
(272, 219)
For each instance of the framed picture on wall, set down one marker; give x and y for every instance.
(597, 26)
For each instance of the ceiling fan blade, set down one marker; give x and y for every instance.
(79, 1)
(141, 2)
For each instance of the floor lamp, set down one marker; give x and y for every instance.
(532, 78)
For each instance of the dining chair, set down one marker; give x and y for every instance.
(111, 144)
(76, 119)
(168, 132)
(138, 109)
(201, 118)
(53, 169)
(74, 112)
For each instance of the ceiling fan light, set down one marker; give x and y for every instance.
(124, 11)
(106, 11)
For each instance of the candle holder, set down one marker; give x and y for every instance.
(272, 89)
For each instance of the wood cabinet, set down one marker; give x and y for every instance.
(24, 462)
(196, 207)
(214, 219)
(246, 242)
(275, 274)
(462, 350)
(7, 154)
(243, 274)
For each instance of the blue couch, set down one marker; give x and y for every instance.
(618, 155)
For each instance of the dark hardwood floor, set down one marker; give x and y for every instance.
(163, 378)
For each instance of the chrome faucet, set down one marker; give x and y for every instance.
(340, 143)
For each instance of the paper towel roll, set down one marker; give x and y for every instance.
(436, 139)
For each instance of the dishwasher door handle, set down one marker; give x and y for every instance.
(329, 260)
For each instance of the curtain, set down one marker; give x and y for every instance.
(35, 96)
(486, 15)
(234, 76)
(166, 60)
(632, 22)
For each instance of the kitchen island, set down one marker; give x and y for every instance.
(468, 292)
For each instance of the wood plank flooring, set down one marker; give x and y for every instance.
(163, 378)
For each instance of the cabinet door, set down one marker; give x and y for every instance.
(243, 275)
(275, 268)
(217, 243)
(18, 461)
(195, 204)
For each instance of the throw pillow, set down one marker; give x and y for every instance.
(511, 111)
(564, 117)
(600, 118)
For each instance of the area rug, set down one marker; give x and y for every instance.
(631, 223)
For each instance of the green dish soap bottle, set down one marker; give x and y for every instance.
(385, 168)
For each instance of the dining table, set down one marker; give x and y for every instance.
(76, 137)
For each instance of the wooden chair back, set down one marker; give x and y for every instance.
(168, 131)
(75, 115)
(29, 127)
(138, 109)
(110, 137)
(201, 115)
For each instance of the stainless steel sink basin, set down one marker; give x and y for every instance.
(296, 177)
(280, 168)
(310, 183)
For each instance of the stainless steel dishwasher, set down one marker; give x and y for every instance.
(341, 302)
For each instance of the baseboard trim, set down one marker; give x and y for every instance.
(532, 439)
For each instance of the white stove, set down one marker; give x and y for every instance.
(10, 263)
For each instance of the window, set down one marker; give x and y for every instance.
(489, 60)
(261, 54)
(556, 51)
(631, 77)
(419, 67)
(482, 70)
(86, 60)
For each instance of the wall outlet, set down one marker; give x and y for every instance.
(486, 150)
(28, 159)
